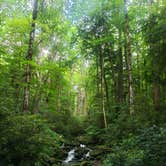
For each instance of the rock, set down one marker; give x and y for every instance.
(99, 151)
(85, 140)
(86, 163)
(81, 152)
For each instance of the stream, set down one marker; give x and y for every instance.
(77, 155)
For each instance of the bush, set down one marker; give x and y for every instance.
(148, 148)
(121, 127)
(64, 123)
(153, 141)
(27, 140)
(94, 134)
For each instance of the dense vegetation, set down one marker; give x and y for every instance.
(89, 72)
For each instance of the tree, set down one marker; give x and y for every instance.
(155, 40)
(128, 56)
(29, 58)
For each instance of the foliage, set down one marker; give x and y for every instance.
(87, 57)
(27, 140)
(147, 148)
(64, 123)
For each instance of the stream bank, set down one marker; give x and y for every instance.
(84, 155)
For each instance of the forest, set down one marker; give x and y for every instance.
(82, 83)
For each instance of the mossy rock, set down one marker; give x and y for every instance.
(99, 151)
(96, 153)
(85, 140)
(62, 154)
(86, 163)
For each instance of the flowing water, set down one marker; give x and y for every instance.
(70, 157)
(73, 156)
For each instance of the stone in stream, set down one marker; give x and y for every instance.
(81, 153)
(77, 155)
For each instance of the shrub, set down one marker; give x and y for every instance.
(64, 123)
(148, 148)
(27, 140)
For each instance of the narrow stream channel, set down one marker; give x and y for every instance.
(77, 155)
(70, 157)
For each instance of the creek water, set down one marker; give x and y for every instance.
(76, 155)
(70, 157)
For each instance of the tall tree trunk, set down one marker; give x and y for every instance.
(113, 76)
(156, 77)
(156, 95)
(128, 59)
(97, 75)
(29, 58)
(102, 88)
(120, 72)
(106, 90)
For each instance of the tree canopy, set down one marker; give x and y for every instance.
(83, 72)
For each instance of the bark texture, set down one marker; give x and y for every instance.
(29, 58)
(128, 57)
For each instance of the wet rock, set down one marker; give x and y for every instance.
(81, 152)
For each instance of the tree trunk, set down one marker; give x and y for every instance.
(156, 77)
(29, 58)
(102, 89)
(120, 72)
(156, 98)
(106, 90)
(113, 77)
(97, 75)
(128, 60)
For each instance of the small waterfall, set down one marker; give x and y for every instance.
(70, 157)
(87, 155)
(77, 155)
